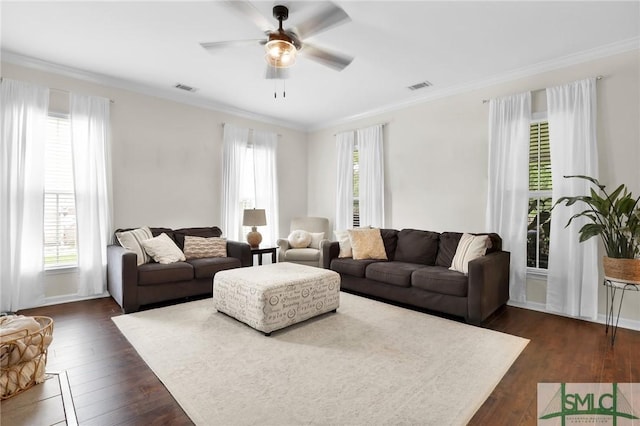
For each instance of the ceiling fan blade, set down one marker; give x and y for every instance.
(215, 45)
(337, 61)
(273, 73)
(248, 10)
(331, 16)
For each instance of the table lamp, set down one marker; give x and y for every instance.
(253, 218)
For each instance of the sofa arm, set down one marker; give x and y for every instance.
(330, 250)
(241, 251)
(283, 245)
(122, 277)
(488, 285)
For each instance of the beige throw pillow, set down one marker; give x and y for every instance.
(316, 237)
(200, 247)
(470, 247)
(299, 239)
(367, 244)
(163, 249)
(131, 240)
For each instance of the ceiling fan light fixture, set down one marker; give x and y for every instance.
(280, 53)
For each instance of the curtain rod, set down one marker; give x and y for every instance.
(251, 130)
(486, 101)
(360, 128)
(61, 90)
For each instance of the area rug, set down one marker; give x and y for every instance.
(369, 363)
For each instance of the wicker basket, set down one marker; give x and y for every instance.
(622, 270)
(23, 358)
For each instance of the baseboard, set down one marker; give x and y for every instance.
(540, 307)
(68, 298)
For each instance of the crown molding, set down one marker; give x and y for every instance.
(539, 68)
(105, 80)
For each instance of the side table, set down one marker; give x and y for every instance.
(612, 287)
(260, 251)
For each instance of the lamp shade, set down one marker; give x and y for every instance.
(254, 217)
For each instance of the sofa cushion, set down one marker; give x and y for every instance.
(447, 248)
(469, 248)
(163, 249)
(416, 246)
(302, 254)
(394, 273)
(439, 279)
(131, 239)
(207, 267)
(200, 247)
(367, 244)
(390, 241)
(351, 266)
(206, 232)
(157, 273)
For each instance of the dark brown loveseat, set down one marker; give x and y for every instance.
(417, 274)
(133, 286)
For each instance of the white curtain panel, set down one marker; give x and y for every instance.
(235, 142)
(572, 283)
(344, 190)
(265, 171)
(24, 126)
(90, 133)
(508, 192)
(370, 147)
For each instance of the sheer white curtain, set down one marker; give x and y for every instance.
(509, 121)
(344, 190)
(266, 182)
(24, 126)
(235, 142)
(90, 132)
(371, 160)
(572, 282)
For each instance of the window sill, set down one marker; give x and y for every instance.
(60, 270)
(537, 274)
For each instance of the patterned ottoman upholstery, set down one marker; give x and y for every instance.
(271, 297)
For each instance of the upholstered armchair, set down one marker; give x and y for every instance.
(308, 245)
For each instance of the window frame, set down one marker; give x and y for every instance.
(58, 267)
(537, 272)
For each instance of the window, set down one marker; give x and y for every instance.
(247, 198)
(60, 249)
(356, 186)
(539, 213)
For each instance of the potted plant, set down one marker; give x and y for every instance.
(615, 217)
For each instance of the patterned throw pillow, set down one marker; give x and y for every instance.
(470, 247)
(131, 240)
(367, 244)
(200, 247)
(163, 249)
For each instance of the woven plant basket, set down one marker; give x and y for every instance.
(23, 358)
(622, 270)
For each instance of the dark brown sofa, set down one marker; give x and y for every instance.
(133, 286)
(417, 274)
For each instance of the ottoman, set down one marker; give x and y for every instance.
(271, 297)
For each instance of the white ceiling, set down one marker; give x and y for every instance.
(396, 44)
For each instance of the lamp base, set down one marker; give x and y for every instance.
(254, 238)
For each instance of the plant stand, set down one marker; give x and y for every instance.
(612, 287)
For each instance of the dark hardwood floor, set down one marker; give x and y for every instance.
(111, 385)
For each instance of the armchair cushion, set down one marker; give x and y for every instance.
(302, 255)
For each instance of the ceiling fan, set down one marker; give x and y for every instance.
(283, 45)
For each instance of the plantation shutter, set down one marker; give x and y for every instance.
(539, 158)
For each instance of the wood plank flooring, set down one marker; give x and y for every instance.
(111, 385)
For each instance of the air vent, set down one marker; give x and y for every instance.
(420, 85)
(184, 87)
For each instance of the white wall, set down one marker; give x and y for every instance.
(167, 158)
(436, 153)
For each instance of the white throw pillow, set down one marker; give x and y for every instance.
(131, 240)
(470, 247)
(299, 239)
(316, 237)
(345, 244)
(163, 249)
